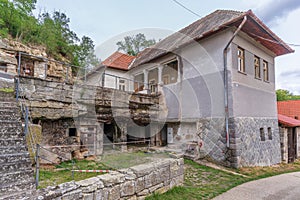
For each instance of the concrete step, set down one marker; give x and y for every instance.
(13, 132)
(8, 104)
(8, 99)
(7, 94)
(10, 191)
(12, 142)
(13, 149)
(10, 123)
(10, 110)
(12, 117)
(13, 177)
(15, 157)
(13, 167)
(25, 195)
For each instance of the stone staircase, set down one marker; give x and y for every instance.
(16, 174)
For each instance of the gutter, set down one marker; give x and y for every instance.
(225, 51)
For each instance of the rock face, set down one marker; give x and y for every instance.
(55, 100)
(133, 183)
(34, 62)
(73, 115)
(16, 174)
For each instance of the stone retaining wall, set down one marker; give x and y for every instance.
(133, 183)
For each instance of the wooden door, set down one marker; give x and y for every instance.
(292, 144)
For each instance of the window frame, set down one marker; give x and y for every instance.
(122, 84)
(257, 67)
(152, 84)
(266, 71)
(241, 60)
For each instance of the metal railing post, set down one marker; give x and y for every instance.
(37, 165)
(17, 88)
(26, 121)
(19, 64)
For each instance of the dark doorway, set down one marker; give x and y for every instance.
(292, 145)
(72, 132)
(164, 132)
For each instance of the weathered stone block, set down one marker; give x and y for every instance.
(112, 178)
(127, 188)
(142, 170)
(140, 184)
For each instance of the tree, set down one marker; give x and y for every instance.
(132, 45)
(85, 54)
(283, 95)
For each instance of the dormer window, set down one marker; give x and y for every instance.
(241, 60)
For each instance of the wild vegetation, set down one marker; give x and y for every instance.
(48, 29)
(284, 95)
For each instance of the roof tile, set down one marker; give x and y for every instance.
(118, 60)
(288, 121)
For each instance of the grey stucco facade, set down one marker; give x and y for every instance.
(197, 102)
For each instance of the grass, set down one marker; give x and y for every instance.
(201, 182)
(263, 172)
(206, 183)
(7, 90)
(53, 175)
(125, 160)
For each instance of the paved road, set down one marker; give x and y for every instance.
(281, 187)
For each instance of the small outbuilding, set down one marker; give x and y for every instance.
(289, 129)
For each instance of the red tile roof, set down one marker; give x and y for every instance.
(211, 24)
(288, 121)
(289, 108)
(118, 60)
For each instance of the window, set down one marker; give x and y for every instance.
(152, 86)
(262, 134)
(3, 67)
(170, 72)
(241, 60)
(122, 85)
(257, 67)
(139, 82)
(270, 133)
(166, 79)
(266, 70)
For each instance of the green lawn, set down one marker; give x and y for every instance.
(53, 175)
(206, 183)
(200, 182)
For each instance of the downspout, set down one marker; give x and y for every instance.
(226, 80)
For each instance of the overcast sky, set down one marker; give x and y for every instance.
(107, 22)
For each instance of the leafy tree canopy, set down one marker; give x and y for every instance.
(132, 45)
(283, 95)
(48, 29)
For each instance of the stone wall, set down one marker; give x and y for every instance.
(250, 146)
(133, 183)
(284, 144)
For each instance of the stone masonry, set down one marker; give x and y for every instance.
(133, 183)
(16, 174)
(254, 142)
